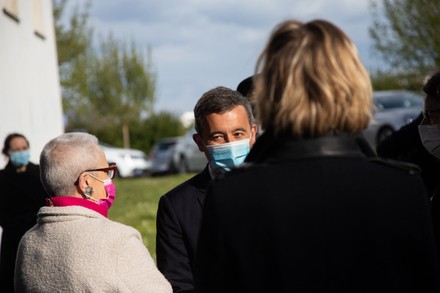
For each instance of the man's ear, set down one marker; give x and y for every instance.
(199, 142)
(254, 134)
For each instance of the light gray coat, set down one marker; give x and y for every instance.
(75, 249)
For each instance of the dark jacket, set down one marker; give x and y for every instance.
(435, 211)
(179, 217)
(405, 145)
(317, 215)
(22, 195)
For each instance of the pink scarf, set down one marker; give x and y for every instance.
(65, 201)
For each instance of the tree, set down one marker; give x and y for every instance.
(121, 86)
(74, 42)
(405, 33)
(386, 80)
(105, 87)
(158, 126)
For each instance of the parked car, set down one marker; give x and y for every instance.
(130, 162)
(188, 157)
(162, 156)
(393, 109)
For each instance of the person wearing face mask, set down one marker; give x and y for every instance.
(74, 247)
(225, 132)
(430, 125)
(22, 196)
(406, 145)
(429, 130)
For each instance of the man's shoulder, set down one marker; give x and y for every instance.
(194, 186)
(181, 189)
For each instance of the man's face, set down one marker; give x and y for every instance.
(226, 127)
(432, 111)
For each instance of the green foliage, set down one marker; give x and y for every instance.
(74, 39)
(122, 88)
(122, 84)
(107, 89)
(391, 81)
(405, 33)
(136, 204)
(147, 132)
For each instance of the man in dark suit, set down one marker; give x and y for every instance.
(309, 211)
(429, 130)
(225, 132)
(405, 145)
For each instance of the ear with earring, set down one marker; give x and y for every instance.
(88, 191)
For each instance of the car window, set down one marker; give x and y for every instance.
(138, 156)
(163, 146)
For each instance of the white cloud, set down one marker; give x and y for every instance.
(200, 44)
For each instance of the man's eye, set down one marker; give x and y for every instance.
(220, 139)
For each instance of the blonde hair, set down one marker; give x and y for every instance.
(312, 81)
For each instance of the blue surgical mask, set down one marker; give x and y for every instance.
(228, 155)
(19, 158)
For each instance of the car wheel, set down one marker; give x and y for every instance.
(383, 133)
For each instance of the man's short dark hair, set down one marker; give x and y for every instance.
(247, 86)
(219, 100)
(432, 86)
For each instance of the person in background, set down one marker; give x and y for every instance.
(405, 145)
(22, 195)
(247, 88)
(309, 211)
(429, 130)
(74, 247)
(225, 132)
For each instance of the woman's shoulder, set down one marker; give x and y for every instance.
(122, 229)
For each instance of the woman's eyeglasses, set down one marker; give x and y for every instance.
(110, 170)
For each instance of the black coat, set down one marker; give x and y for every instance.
(22, 195)
(179, 217)
(435, 211)
(406, 145)
(317, 215)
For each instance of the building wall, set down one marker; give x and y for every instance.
(30, 97)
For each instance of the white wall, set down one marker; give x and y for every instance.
(30, 98)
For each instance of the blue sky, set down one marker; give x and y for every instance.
(200, 44)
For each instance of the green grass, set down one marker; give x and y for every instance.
(136, 204)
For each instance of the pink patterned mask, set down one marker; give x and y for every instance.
(110, 188)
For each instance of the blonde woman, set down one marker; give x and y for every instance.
(311, 211)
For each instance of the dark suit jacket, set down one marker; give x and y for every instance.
(317, 215)
(179, 217)
(406, 145)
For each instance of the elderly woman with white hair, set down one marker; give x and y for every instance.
(74, 247)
